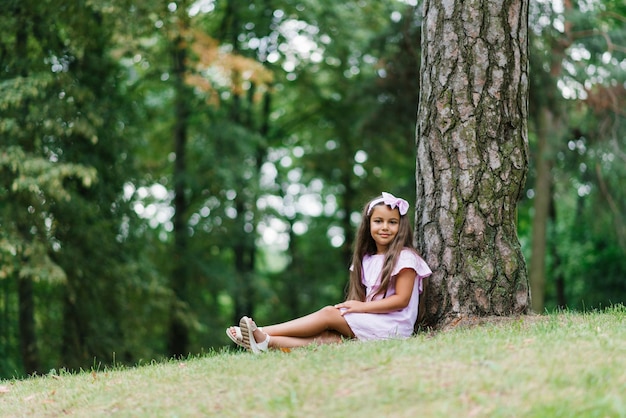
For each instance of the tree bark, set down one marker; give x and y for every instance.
(472, 157)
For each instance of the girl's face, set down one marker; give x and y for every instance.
(384, 225)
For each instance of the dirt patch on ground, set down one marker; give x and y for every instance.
(470, 321)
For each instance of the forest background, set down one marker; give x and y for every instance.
(167, 167)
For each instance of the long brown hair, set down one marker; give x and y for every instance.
(364, 244)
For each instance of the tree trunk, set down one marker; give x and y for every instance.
(559, 277)
(472, 157)
(547, 115)
(244, 249)
(74, 335)
(541, 206)
(178, 340)
(28, 338)
(26, 317)
(244, 246)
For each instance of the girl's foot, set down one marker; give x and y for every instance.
(251, 334)
(234, 333)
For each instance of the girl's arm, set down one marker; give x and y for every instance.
(395, 302)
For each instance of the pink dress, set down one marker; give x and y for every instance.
(396, 324)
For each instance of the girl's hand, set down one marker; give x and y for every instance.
(350, 306)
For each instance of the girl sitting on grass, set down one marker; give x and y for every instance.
(383, 292)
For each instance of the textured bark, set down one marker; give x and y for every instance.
(472, 157)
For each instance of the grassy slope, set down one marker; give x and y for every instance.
(561, 365)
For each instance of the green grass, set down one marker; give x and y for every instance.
(558, 365)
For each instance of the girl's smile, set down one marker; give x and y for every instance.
(384, 225)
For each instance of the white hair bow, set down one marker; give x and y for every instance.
(391, 201)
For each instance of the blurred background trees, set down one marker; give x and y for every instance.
(575, 202)
(168, 167)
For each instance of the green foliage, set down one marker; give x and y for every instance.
(298, 112)
(577, 60)
(64, 161)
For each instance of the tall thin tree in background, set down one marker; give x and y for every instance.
(472, 157)
(178, 339)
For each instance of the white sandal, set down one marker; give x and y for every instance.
(238, 338)
(247, 328)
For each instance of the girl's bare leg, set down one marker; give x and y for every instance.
(324, 326)
(277, 341)
(312, 325)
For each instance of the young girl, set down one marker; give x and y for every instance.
(383, 292)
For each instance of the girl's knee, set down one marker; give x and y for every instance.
(330, 310)
(332, 316)
(335, 323)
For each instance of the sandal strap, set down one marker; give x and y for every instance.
(247, 328)
(264, 345)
